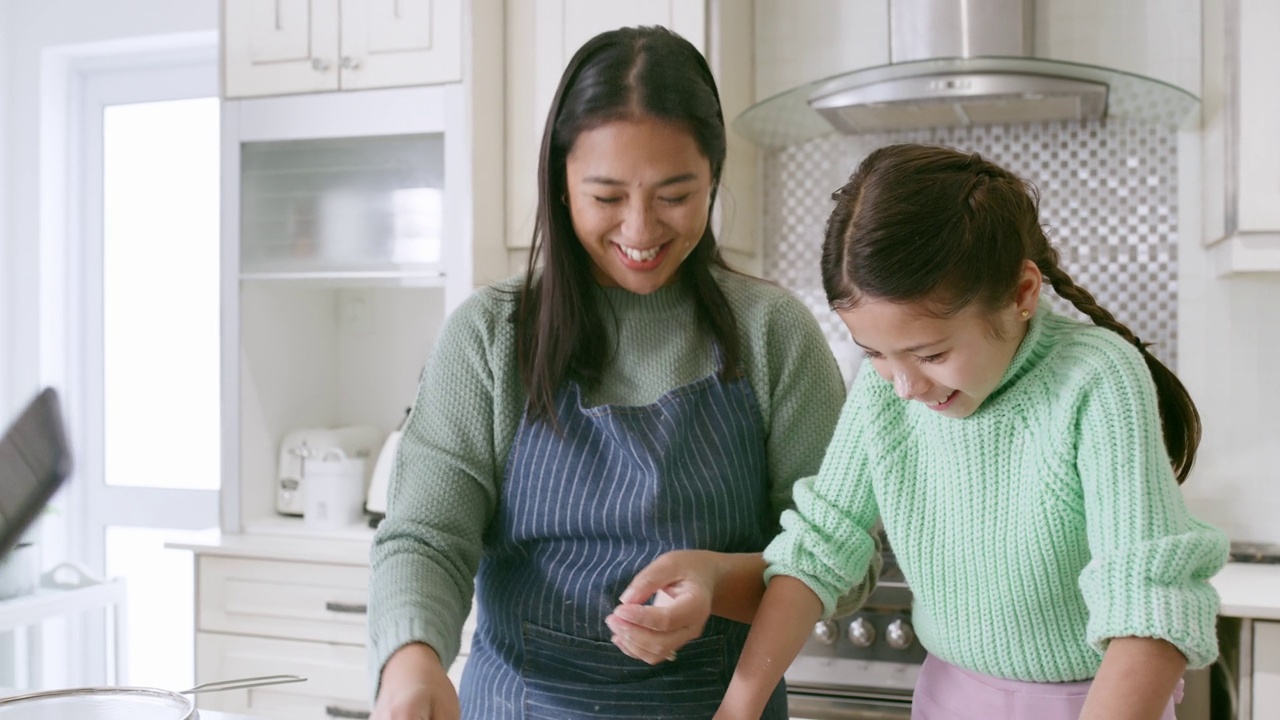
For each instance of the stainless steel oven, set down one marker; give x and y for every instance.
(861, 667)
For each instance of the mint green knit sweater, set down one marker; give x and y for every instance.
(449, 469)
(1030, 532)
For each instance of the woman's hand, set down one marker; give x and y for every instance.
(682, 584)
(415, 686)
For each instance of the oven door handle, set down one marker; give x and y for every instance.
(836, 707)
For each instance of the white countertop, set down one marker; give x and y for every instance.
(298, 548)
(1249, 590)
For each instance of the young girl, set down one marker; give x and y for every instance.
(1025, 466)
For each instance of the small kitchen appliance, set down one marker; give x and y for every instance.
(333, 491)
(356, 442)
(379, 485)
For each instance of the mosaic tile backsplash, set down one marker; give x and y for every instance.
(1109, 198)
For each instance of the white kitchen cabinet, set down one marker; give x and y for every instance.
(543, 35)
(1266, 669)
(336, 684)
(295, 606)
(1241, 146)
(352, 224)
(277, 47)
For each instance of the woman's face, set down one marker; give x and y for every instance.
(638, 194)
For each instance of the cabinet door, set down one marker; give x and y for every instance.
(1266, 670)
(276, 47)
(387, 43)
(1258, 107)
(337, 683)
(541, 38)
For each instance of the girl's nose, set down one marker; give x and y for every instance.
(908, 385)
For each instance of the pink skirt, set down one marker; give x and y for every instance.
(946, 692)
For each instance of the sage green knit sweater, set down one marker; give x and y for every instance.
(448, 472)
(1030, 532)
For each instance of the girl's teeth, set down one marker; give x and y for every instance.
(641, 255)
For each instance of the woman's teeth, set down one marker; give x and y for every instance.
(641, 255)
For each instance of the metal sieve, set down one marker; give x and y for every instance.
(121, 703)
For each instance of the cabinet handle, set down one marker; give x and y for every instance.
(352, 608)
(350, 63)
(334, 711)
(319, 64)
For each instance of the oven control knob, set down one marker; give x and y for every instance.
(861, 633)
(899, 635)
(826, 632)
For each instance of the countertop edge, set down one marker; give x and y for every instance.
(1248, 590)
(282, 547)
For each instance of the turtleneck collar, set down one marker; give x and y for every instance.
(666, 299)
(1035, 344)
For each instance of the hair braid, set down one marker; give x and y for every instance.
(1179, 418)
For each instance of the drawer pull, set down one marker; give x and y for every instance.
(352, 608)
(334, 711)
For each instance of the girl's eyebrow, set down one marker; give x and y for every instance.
(914, 348)
(673, 180)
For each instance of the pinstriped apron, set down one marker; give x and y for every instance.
(580, 514)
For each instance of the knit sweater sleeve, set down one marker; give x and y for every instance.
(1150, 559)
(825, 541)
(443, 490)
(805, 393)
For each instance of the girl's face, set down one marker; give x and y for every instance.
(950, 364)
(638, 194)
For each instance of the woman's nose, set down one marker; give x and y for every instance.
(639, 224)
(908, 385)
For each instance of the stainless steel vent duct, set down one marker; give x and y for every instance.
(923, 30)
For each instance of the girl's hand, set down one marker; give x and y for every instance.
(415, 686)
(682, 584)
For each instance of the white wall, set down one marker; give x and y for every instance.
(6, 234)
(27, 29)
(1229, 358)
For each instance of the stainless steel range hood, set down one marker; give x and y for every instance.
(960, 63)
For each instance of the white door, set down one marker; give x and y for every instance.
(144, 344)
(389, 43)
(276, 47)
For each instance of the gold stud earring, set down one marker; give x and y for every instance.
(1026, 314)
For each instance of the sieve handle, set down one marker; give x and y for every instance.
(243, 683)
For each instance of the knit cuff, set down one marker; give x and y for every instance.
(839, 573)
(386, 640)
(1158, 589)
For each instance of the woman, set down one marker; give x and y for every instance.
(622, 423)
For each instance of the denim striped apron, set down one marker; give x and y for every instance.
(580, 514)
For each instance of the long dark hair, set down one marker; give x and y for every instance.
(933, 225)
(630, 73)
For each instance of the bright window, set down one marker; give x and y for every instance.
(160, 294)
